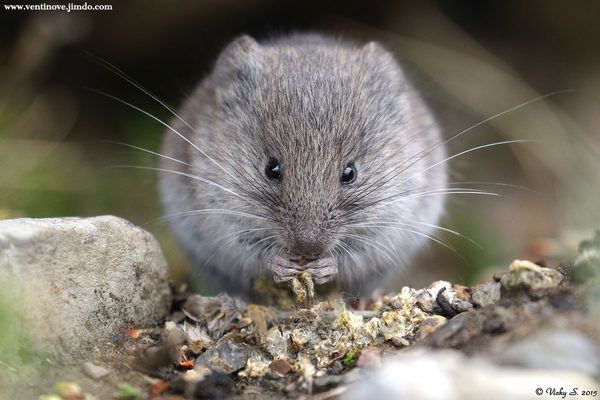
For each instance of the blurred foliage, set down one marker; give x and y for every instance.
(17, 362)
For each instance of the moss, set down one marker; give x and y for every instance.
(351, 357)
(127, 392)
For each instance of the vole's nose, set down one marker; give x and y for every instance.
(307, 247)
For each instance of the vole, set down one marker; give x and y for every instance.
(303, 153)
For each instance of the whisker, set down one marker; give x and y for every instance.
(505, 142)
(432, 238)
(365, 240)
(191, 176)
(431, 148)
(444, 193)
(133, 106)
(232, 237)
(442, 228)
(348, 249)
(257, 243)
(472, 149)
(206, 211)
(130, 80)
(146, 151)
(403, 195)
(503, 184)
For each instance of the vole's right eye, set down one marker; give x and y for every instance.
(273, 169)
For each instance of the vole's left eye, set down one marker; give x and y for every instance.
(273, 169)
(349, 174)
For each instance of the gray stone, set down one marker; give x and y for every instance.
(450, 328)
(77, 282)
(487, 294)
(227, 357)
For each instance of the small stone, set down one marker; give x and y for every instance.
(94, 371)
(461, 298)
(426, 298)
(443, 301)
(217, 313)
(328, 381)
(157, 388)
(162, 354)
(227, 357)
(197, 338)
(429, 325)
(527, 275)
(370, 356)
(487, 294)
(299, 338)
(199, 373)
(214, 386)
(69, 391)
(424, 301)
(276, 343)
(398, 341)
(280, 367)
(461, 292)
(462, 306)
(256, 367)
(450, 328)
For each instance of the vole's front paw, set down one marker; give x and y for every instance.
(284, 270)
(322, 270)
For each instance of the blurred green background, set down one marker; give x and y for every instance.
(470, 59)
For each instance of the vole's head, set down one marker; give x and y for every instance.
(316, 139)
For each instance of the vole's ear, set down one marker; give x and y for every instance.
(382, 57)
(241, 59)
(375, 49)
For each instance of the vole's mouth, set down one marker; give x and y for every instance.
(302, 260)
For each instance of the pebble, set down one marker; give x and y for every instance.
(486, 294)
(227, 357)
(430, 325)
(94, 371)
(527, 275)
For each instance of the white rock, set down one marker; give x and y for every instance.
(449, 375)
(79, 281)
(552, 349)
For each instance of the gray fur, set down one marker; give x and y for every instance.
(314, 103)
